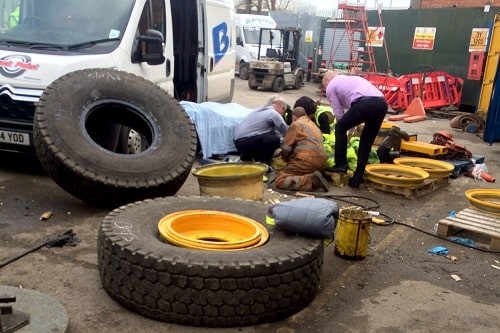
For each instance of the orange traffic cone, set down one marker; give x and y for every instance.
(487, 177)
(413, 113)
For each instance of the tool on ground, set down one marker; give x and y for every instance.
(58, 240)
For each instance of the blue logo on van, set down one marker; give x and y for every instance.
(221, 40)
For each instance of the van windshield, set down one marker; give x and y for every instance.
(39, 23)
(252, 36)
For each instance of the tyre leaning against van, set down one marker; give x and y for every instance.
(77, 126)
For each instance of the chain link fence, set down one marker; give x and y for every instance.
(309, 19)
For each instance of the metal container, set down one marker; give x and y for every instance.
(352, 234)
(234, 180)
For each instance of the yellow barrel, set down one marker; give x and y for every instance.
(352, 234)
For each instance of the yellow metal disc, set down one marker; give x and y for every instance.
(435, 168)
(484, 199)
(212, 230)
(395, 175)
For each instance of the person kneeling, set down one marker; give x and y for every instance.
(302, 149)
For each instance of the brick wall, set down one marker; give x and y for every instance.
(451, 3)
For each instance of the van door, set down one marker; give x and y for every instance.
(153, 17)
(220, 41)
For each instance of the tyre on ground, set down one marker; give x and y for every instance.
(194, 287)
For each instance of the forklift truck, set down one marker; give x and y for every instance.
(279, 68)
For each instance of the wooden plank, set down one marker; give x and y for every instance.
(444, 229)
(489, 216)
(495, 244)
(490, 223)
(482, 219)
(483, 213)
(472, 209)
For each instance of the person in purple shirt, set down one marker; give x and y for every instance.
(364, 104)
(260, 133)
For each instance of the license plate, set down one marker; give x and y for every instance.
(16, 138)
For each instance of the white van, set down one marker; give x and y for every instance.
(247, 39)
(186, 47)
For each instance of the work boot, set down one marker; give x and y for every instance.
(355, 181)
(337, 169)
(321, 181)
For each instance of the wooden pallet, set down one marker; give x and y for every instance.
(426, 187)
(477, 221)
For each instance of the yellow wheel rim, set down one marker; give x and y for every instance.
(396, 175)
(435, 168)
(212, 230)
(484, 199)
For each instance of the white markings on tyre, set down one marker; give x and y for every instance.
(125, 230)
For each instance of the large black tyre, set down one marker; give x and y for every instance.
(201, 287)
(299, 80)
(252, 82)
(77, 129)
(278, 84)
(243, 71)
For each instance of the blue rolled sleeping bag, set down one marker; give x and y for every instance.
(313, 217)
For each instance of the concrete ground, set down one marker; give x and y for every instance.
(398, 287)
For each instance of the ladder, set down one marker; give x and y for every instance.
(361, 58)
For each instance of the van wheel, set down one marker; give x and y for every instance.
(84, 124)
(278, 84)
(299, 80)
(243, 70)
(196, 287)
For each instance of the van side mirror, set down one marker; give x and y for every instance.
(239, 41)
(151, 47)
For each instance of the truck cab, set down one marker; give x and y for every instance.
(185, 47)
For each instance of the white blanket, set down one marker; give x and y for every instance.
(215, 124)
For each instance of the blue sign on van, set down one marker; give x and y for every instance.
(221, 41)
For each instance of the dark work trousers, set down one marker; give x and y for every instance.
(370, 111)
(259, 148)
